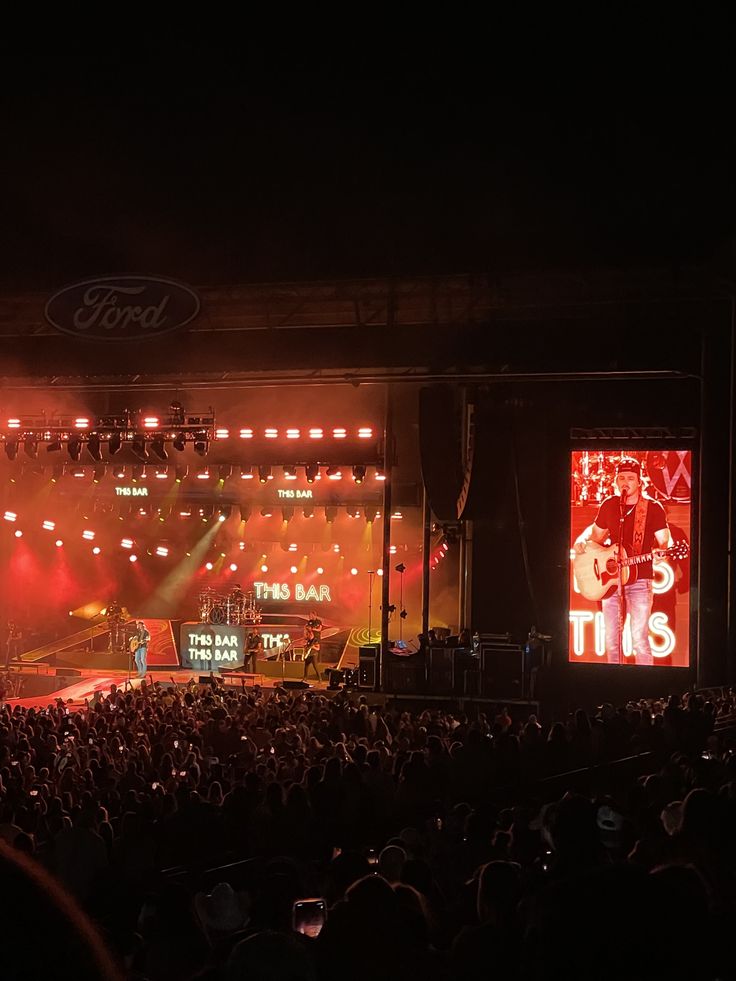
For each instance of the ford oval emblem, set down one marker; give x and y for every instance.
(122, 308)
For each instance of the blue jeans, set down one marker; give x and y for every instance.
(638, 597)
(141, 659)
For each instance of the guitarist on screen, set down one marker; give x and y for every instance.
(644, 529)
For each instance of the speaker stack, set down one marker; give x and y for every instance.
(368, 667)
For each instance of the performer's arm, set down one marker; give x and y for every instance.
(597, 535)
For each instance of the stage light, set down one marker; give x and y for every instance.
(330, 514)
(181, 473)
(201, 444)
(222, 517)
(379, 572)
(13, 423)
(57, 472)
(264, 474)
(54, 446)
(287, 514)
(397, 515)
(179, 442)
(139, 448)
(316, 433)
(162, 473)
(114, 443)
(233, 567)
(82, 423)
(392, 550)
(133, 558)
(118, 472)
(127, 542)
(18, 533)
(264, 568)
(93, 446)
(30, 448)
(98, 473)
(246, 473)
(96, 550)
(11, 448)
(225, 471)
(246, 434)
(308, 512)
(320, 570)
(79, 472)
(162, 550)
(49, 525)
(312, 472)
(334, 473)
(336, 547)
(293, 546)
(359, 474)
(10, 516)
(293, 433)
(58, 543)
(222, 434)
(89, 535)
(339, 433)
(271, 433)
(380, 473)
(353, 571)
(289, 473)
(365, 432)
(159, 448)
(369, 514)
(293, 570)
(245, 512)
(266, 513)
(203, 473)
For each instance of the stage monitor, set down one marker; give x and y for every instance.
(630, 532)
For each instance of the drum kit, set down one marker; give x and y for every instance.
(232, 608)
(594, 475)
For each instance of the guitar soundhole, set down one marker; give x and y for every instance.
(611, 567)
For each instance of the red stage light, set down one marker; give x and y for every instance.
(13, 423)
(353, 571)
(293, 434)
(271, 433)
(150, 422)
(264, 568)
(134, 558)
(293, 570)
(81, 423)
(96, 550)
(222, 433)
(48, 525)
(233, 567)
(246, 434)
(18, 533)
(380, 475)
(127, 542)
(339, 433)
(162, 551)
(365, 432)
(379, 572)
(320, 570)
(10, 516)
(58, 543)
(316, 433)
(89, 535)
(208, 566)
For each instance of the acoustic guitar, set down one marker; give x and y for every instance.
(597, 568)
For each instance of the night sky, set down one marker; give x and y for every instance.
(241, 161)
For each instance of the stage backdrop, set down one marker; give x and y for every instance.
(667, 479)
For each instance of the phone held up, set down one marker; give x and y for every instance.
(309, 916)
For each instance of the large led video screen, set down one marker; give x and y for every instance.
(630, 532)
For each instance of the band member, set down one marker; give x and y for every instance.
(253, 650)
(115, 621)
(12, 642)
(312, 641)
(139, 646)
(644, 529)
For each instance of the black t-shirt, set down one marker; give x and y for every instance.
(609, 515)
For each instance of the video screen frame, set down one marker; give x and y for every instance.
(667, 477)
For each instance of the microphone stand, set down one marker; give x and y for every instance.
(621, 593)
(371, 574)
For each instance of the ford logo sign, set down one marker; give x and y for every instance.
(122, 308)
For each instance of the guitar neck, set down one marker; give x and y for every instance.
(637, 559)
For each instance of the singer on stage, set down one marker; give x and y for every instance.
(644, 529)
